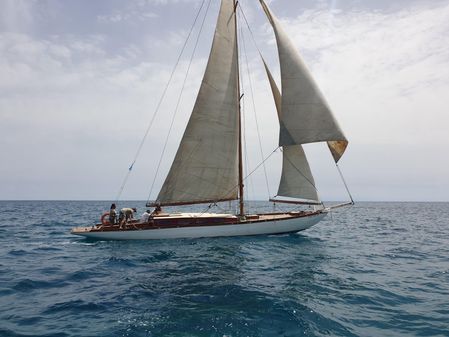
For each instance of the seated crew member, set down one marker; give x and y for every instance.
(145, 216)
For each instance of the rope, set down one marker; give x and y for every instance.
(249, 175)
(125, 180)
(244, 123)
(255, 114)
(250, 31)
(299, 171)
(260, 53)
(344, 182)
(178, 101)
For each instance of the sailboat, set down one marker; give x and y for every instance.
(208, 166)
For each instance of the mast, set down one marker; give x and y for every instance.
(206, 166)
(241, 186)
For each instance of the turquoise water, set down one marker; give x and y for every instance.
(378, 269)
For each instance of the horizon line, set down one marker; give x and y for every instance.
(255, 200)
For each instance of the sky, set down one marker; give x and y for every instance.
(80, 81)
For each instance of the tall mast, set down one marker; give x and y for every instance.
(241, 192)
(205, 168)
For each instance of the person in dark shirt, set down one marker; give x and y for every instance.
(157, 210)
(113, 215)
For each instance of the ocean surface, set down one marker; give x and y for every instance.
(377, 269)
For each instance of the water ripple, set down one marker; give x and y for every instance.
(376, 270)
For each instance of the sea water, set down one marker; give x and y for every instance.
(376, 269)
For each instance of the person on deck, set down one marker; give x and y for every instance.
(125, 215)
(113, 215)
(145, 216)
(157, 210)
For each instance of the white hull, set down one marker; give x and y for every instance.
(246, 229)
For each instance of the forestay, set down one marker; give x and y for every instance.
(306, 116)
(205, 168)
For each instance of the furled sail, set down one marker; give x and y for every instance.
(306, 116)
(296, 181)
(205, 168)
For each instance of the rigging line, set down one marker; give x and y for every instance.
(245, 178)
(251, 34)
(249, 175)
(250, 31)
(262, 163)
(215, 205)
(344, 182)
(245, 143)
(255, 113)
(125, 180)
(344, 210)
(179, 100)
(245, 122)
(299, 171)
(260, 53)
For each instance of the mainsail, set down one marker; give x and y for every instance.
(205, 168)
(296, 181)
(306, 116)
(208, 166)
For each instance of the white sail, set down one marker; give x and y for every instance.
(296, 180)
(207, 164)
(205, 168)
(305, 113)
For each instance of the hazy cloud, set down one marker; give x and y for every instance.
(73, 109)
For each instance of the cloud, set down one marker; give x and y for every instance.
(382, 72)
(73, 111)
(130, 16)
(386, 75)
(138, 11)
(17, 15)
(166, 2)
(59, 97)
